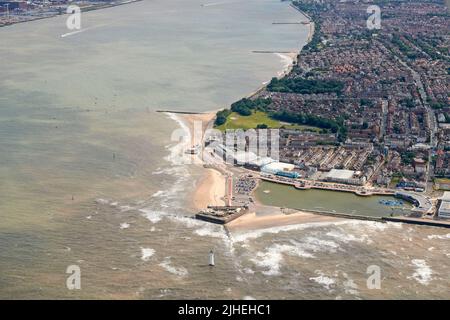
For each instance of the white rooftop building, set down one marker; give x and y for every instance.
(261, 162)
(340, 174)
(242, 157)
(276, 166)
(444, 208)
(344, 176)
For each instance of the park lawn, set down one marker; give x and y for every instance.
(394, 182)
(442, 183)
(236, 121)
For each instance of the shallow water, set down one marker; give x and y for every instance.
(325, 200)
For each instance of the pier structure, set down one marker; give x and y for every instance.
(307, 184)
(226, 213)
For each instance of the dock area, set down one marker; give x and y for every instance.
(221, 214)
(419, 221)
(306, 184)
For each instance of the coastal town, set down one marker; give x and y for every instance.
(363, 110)
(16, 11)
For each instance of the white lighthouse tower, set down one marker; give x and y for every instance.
(211, 258)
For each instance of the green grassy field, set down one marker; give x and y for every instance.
(394, 182)
(442, 184)
(236, 121)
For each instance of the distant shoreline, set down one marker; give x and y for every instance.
(210, 187)
(295, 59)
(83, 9)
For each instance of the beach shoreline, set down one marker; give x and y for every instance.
(252, 221)
(210, 186)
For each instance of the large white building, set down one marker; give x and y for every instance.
(444, 208)
(276, 166)
(344, 176)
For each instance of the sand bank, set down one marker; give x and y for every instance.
(210, 190)
(251, 221)
(210, 187)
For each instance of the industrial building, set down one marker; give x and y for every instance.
(280, 169)
(344, 176)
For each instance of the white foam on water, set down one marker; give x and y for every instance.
(124, 225)
(211, 230)
(171, 196)
(178, 271)
(439, 236)
(347, 237)
(242, 237)
(375, 225)
(101, 201)
(423, 272)
(272, 258)
(248, 271)
(316, 244)
(174, 170)
(178, 167)
(125, 208)
(323, 280)
(159, 193)
(177, 150)
(147, 253)
(153, 216)
(201, 228)
(286, 60)
(350, 287)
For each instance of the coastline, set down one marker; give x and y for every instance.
(252, 221)
(295, 55)
(210, 186)
(83, 9)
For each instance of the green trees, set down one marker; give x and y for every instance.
(305, 86)
(221, 117)
(306, 119)
(408, 102)
(245, 106)
(335, 126)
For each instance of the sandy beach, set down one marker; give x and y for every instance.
(252, 221)
(210, 188)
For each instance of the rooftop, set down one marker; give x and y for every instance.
(340, 174)
(446, 196)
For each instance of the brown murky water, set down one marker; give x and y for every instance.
(85, 177)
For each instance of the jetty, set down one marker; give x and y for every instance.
(180, 112)
(226, 213)
(301, 22)
(271, 51)
(306, 185)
